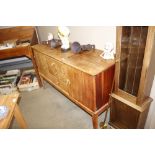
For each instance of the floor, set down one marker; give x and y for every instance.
(47, 108)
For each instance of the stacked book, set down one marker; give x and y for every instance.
(8, 81)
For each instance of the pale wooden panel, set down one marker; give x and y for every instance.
(10, 102)
(19, 32)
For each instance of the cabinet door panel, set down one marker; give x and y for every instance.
(58, 73)
(81, 88)
(132, 53)
(104, 82)
(64, 81)
(53, 70)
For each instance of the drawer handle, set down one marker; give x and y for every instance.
(67, 82)
(54, 68)
(52, 64)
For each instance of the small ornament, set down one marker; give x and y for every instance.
(55, 43)
(108, 52)
(63, 33)
(87, 47)
(50, 36)
(77, 48)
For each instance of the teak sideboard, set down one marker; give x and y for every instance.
(84, 78)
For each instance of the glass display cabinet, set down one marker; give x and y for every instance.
(134, 75)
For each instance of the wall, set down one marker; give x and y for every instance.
(97, 35)
(3, 27)
(150, 122)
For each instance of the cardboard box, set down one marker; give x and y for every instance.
(28, 81)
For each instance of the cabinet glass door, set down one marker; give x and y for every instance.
(133, 43)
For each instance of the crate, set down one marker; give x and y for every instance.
(28, 81)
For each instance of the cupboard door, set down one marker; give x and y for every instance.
(81, 88)
(64, 80)
(131, 58)
(104, 82)
(53, 70)
(58, 74)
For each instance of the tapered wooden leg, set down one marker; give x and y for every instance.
(19, 117)
(43, 82)
(37, 72)
(95, 121)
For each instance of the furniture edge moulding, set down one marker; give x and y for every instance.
(148, 72)
(118, 51)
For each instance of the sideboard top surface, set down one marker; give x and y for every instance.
(89, 62)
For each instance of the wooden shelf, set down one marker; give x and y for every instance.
(132, 104)
(118, 125)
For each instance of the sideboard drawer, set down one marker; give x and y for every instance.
(58, 74)
(53, 69)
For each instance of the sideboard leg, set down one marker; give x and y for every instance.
(95, 121)
(36, 70)
(43, 82)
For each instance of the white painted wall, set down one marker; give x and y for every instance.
(3, 27)
(97, 35)
(150, 122)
